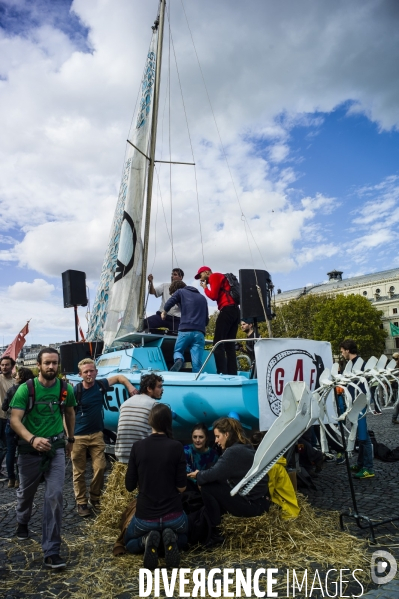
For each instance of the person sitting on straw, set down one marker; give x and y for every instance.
(157, 466)
(217, 482)
(198, 455)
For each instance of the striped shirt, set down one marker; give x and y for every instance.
(132, 424)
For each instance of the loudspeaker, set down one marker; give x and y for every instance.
(250, 303)
(72, 353)
(74, 288)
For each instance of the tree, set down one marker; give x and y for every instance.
(351, 317)
(296, 318)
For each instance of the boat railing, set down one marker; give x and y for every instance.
(241, 340)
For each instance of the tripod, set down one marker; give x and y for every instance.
(362, 522)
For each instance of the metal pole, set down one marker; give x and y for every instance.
(152, 163)
(75, 309)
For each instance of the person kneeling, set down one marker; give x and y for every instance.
(217, 482)
(157, 466)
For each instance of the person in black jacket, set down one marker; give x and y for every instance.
(217, 482)
(157, 466)
(22, 376)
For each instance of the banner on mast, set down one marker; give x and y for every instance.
(116, 306)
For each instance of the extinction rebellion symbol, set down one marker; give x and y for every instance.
(291, 365)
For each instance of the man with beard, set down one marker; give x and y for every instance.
(6, 382)
(39, 424)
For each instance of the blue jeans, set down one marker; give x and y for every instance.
(138, 529)
(365, 455)
(11, 451)
(195, 342)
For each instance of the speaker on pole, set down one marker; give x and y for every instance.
(74, 288)
(256, 287)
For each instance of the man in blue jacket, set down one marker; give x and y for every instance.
(193, 320)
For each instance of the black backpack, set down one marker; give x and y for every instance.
(235, 288)
(78, 391)
(32, 397)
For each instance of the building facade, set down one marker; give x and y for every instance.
(380, 288)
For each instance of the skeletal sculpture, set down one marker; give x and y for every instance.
(301, 408)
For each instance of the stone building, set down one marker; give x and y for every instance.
(380, 288)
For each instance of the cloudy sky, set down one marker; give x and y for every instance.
(303, 96)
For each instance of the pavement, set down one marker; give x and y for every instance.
(376, 497)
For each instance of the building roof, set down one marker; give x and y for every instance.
(333, 285)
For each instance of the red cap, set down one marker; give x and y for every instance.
(200, 270)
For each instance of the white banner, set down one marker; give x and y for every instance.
(280, 361)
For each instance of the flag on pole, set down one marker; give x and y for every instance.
(15, 347)
(394, 329)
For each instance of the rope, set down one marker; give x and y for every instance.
(243, 217)
(170, 155)
(191, 146)
(164, 214)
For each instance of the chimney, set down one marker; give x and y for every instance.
(335, 275)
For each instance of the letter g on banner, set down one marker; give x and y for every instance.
(383, 567)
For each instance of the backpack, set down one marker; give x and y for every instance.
(32, 398)
(235, 288)
(78, 391)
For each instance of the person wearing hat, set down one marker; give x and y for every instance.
(217, 288)
(395, 413)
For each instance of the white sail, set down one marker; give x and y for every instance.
(116, 305)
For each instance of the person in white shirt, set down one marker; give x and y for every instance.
(133, 417)
(172, 319)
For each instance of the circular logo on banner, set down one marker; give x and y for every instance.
(291, 365)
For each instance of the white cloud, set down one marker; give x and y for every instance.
(31, 292)
(64, 116)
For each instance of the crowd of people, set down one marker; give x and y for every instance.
(181, 489)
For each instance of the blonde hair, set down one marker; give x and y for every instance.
(86, 361)
(234, 428)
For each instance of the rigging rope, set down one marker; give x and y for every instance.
(170, 149)
(191, 143)
(243, 217)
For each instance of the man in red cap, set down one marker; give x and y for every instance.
(217, 288)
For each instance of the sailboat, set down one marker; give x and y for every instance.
(119, 308)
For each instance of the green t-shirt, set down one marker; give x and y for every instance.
(45, 418)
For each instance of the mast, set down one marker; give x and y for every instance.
(159, 23)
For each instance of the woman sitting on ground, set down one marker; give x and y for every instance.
(23, 375)
(157, 466)
(217, 482)
(198, 455)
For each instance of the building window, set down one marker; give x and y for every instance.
(381, 326)
(395, 310)
(364, 292)
(396, 324)
(392, 289)
(378, 290)
(397, 342)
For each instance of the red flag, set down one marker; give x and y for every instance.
(15, 347)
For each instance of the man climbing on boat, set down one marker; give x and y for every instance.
(172, 319)
(194, 318)
(227, 321)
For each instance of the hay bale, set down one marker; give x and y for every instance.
(114, 500)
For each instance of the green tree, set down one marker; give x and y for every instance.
(296, 318)
(351, 317)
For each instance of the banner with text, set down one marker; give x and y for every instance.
(280, 361)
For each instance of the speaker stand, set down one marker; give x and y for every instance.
(75, 310)
(362, 522)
